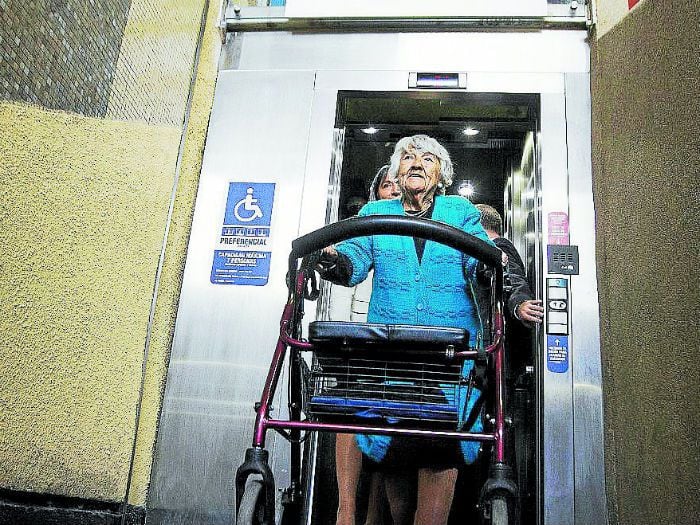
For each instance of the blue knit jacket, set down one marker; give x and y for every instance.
(435, 292)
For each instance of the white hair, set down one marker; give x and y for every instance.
(424, 144)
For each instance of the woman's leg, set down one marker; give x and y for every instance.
(401, 493)
(435, 491)
(348, 464)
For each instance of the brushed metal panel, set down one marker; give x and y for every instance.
(225, 334)
(589, 475)
(413, 8)
(277, 16)
(477, 81)
(535, 52)
(557, 418)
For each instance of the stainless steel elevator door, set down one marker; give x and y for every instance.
(225, 334)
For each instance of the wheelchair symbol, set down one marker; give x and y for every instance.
(249, 204)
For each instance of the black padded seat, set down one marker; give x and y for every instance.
(372, 335)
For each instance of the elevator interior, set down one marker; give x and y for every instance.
(486, 134)
(490, 139)
(295, 118)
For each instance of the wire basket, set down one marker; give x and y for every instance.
(386, 381)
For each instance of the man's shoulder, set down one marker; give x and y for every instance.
(511, 251)
(502, 243)
(508, 247)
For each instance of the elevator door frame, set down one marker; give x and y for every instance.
(555, 439)
(269, 104)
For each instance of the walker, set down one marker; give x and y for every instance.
(393, 380)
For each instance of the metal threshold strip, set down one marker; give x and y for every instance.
(240, 24)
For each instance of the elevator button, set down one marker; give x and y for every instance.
(417, 277)
(419, 306)
(557, 305)
(556, 293)
(557, 317)
(557, 328)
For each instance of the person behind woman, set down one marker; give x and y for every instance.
(415, 282)
(522, 309)
(383, 186)
(522, 304)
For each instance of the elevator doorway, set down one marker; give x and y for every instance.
(490, 139)
(275, 119)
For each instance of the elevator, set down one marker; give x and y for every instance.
(310, 117)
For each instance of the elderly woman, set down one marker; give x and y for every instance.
(415, 282)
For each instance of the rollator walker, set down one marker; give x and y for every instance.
(393, 380)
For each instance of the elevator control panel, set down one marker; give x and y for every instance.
(557, 306)
(562, 259)
(557, 309)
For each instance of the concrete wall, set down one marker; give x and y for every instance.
(609, 13)
(646, 102)
(85, 194)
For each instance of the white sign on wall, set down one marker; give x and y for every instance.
(411, 8)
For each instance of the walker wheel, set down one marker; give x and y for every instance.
(252, 508)
(499, 511)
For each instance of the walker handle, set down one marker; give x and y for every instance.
(396, 225)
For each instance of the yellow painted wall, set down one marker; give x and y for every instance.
(174, 261)
(154, 69)
(83, 205)
(83, 212)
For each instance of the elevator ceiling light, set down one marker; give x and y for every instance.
(470, 132)
(466, 189)
(371, 130)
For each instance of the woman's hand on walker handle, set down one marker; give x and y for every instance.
(326, 261)
(330, 250)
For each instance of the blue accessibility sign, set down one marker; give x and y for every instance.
(243, 255)
(249, 204)
(558, 353)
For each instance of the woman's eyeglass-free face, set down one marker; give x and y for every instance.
(419, 172)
